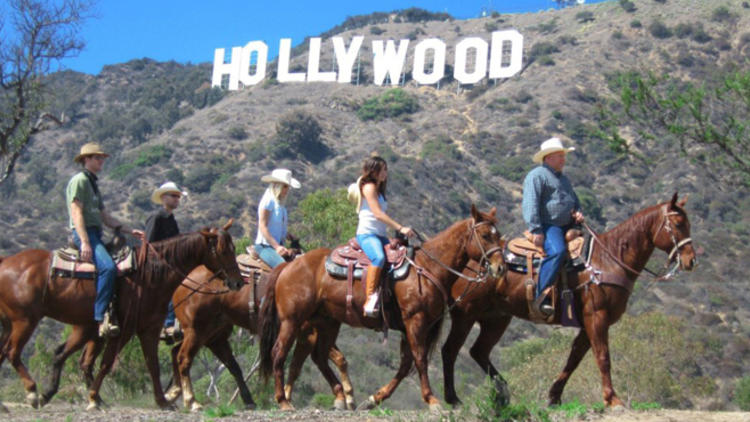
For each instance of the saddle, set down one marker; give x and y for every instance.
(523, 256)
(66, 261)
(351, 255)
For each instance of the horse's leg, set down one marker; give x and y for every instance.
(223, 351)
(190, 346)
(460, 328)
(150, 348)
(338, 359)
(21, 330)
(88, 358)
(175, 390)
(77, 338)
(302, 349)
(284, 342)
(490, 333)
(598, 331)
(578, 350)
(112, 348)
(417, 333)
(407, 360)
(326, 339)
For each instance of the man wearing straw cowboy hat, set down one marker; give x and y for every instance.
(87, 216)
(162, 225)
(272, 217)
(550, 206)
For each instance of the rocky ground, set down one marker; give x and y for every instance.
(75, 412)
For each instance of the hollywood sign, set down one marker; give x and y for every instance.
(501, 58)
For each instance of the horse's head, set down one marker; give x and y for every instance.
(221, 258)
(485, 243)
(673, 233)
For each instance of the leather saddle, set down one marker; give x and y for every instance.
(66, 261)
(522, 250)
(351, 255)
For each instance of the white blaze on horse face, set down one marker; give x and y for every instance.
(438, 61)
(345, 58)
(388, 60)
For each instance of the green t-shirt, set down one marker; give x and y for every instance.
(80, 188)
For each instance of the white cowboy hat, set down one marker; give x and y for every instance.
(548, 147)
(281, 176)
(91, 148)
(169, 187)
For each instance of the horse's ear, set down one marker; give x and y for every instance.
(493, 211)
(673, 202)
(208, 233)
(228, 225)
(683, 201)
(474, 213)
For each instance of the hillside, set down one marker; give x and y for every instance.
(461, 145)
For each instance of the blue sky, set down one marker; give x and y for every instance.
(190, 30)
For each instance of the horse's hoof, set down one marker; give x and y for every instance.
(618, 408)
(3, 409)
(93, 405)
(196, 407)
(250, 406)
(33, 400)
(350, 404)
(436, 408)
(339, 404)
(173, 394)
(286, 406)
(368, 404)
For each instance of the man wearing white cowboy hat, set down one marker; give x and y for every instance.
(550, 206)
(272, 217)
(162, 225)
(87, 216)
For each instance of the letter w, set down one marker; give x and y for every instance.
(390, 61)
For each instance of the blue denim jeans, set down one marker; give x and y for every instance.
(105, 271)
(554, 248)
(268, 255)
(169, 322)
(373, 246)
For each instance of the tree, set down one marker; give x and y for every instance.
(324, 219)
(34, 36)
(708, 122)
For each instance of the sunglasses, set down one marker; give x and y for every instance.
(174, 195)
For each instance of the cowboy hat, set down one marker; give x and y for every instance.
(92, 148)
(353, 195)
(281, 176)
(548, 147)
(169, 187)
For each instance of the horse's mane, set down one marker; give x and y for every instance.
(176, 249)
(640, 222)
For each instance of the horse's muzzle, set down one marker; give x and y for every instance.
(234, 284)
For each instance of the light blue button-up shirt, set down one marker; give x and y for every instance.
(548, 199)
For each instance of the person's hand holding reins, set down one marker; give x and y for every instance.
(86, 252)
(407, 231)
(538, 239)
(577, 217)
(282, 251)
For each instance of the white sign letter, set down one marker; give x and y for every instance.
(313, 64)
(499, 40)
(260, 63)
(232, 68)
(389, 61)
(480, 62)
(283, 75)
(438, 62)
(344, 58)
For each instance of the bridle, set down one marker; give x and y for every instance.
(667, 226)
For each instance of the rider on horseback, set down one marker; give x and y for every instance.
(87, 214)
(371, 230)
(550, 206)
(161, 225)
(272, 217)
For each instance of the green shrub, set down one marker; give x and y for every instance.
(443, 146)
(490, 26)
(324, 219)
(635, 23)
(585, 16)
(742, 393)
(322, 401)
(547, 27)
(298, 135)
(237, 133)
(659, 30)
(722, 14)
(700, 35)
(153, 155)
(376, 30)
(567, 39)
(628, 6)
(683, 30)
(546, 61)
(391, 103)
(542, 49)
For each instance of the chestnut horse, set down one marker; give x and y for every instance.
(28, 293)
(303, 292)
(620, 254)
(207, 319)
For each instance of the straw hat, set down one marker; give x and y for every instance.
(169, 187)
(354, 195)
(548, 147)
(281, 176)
(92, 148)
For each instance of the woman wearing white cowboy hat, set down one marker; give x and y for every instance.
(550, 206)
(161, 225)
(272, 217)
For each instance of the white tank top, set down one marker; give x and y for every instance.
(368, 224)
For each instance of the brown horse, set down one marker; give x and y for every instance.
(28, 293)
(208, 318)
(304, 292)
(621, 254)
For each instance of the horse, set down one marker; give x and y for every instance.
(303, 292)
(207, 319)
(28, 293)
(620, 254)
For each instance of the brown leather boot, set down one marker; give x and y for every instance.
(372, 282)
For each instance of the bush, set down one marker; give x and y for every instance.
(542, 49)
(742, 393)
(391, 103)
(490, 26)
(237, 133)
(443, 146)
(585, 16)
(376, 30)
(546, 61)
(628, 6)
(700, 35)
(659, 30)
(722, 14)
(298, 135)
(635, 23)
(324, 219)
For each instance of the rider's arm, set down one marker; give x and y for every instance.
(76, 213)
(112, 222)
(371, 196)
(531, 203)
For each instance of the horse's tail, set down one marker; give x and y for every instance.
(268, 324)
